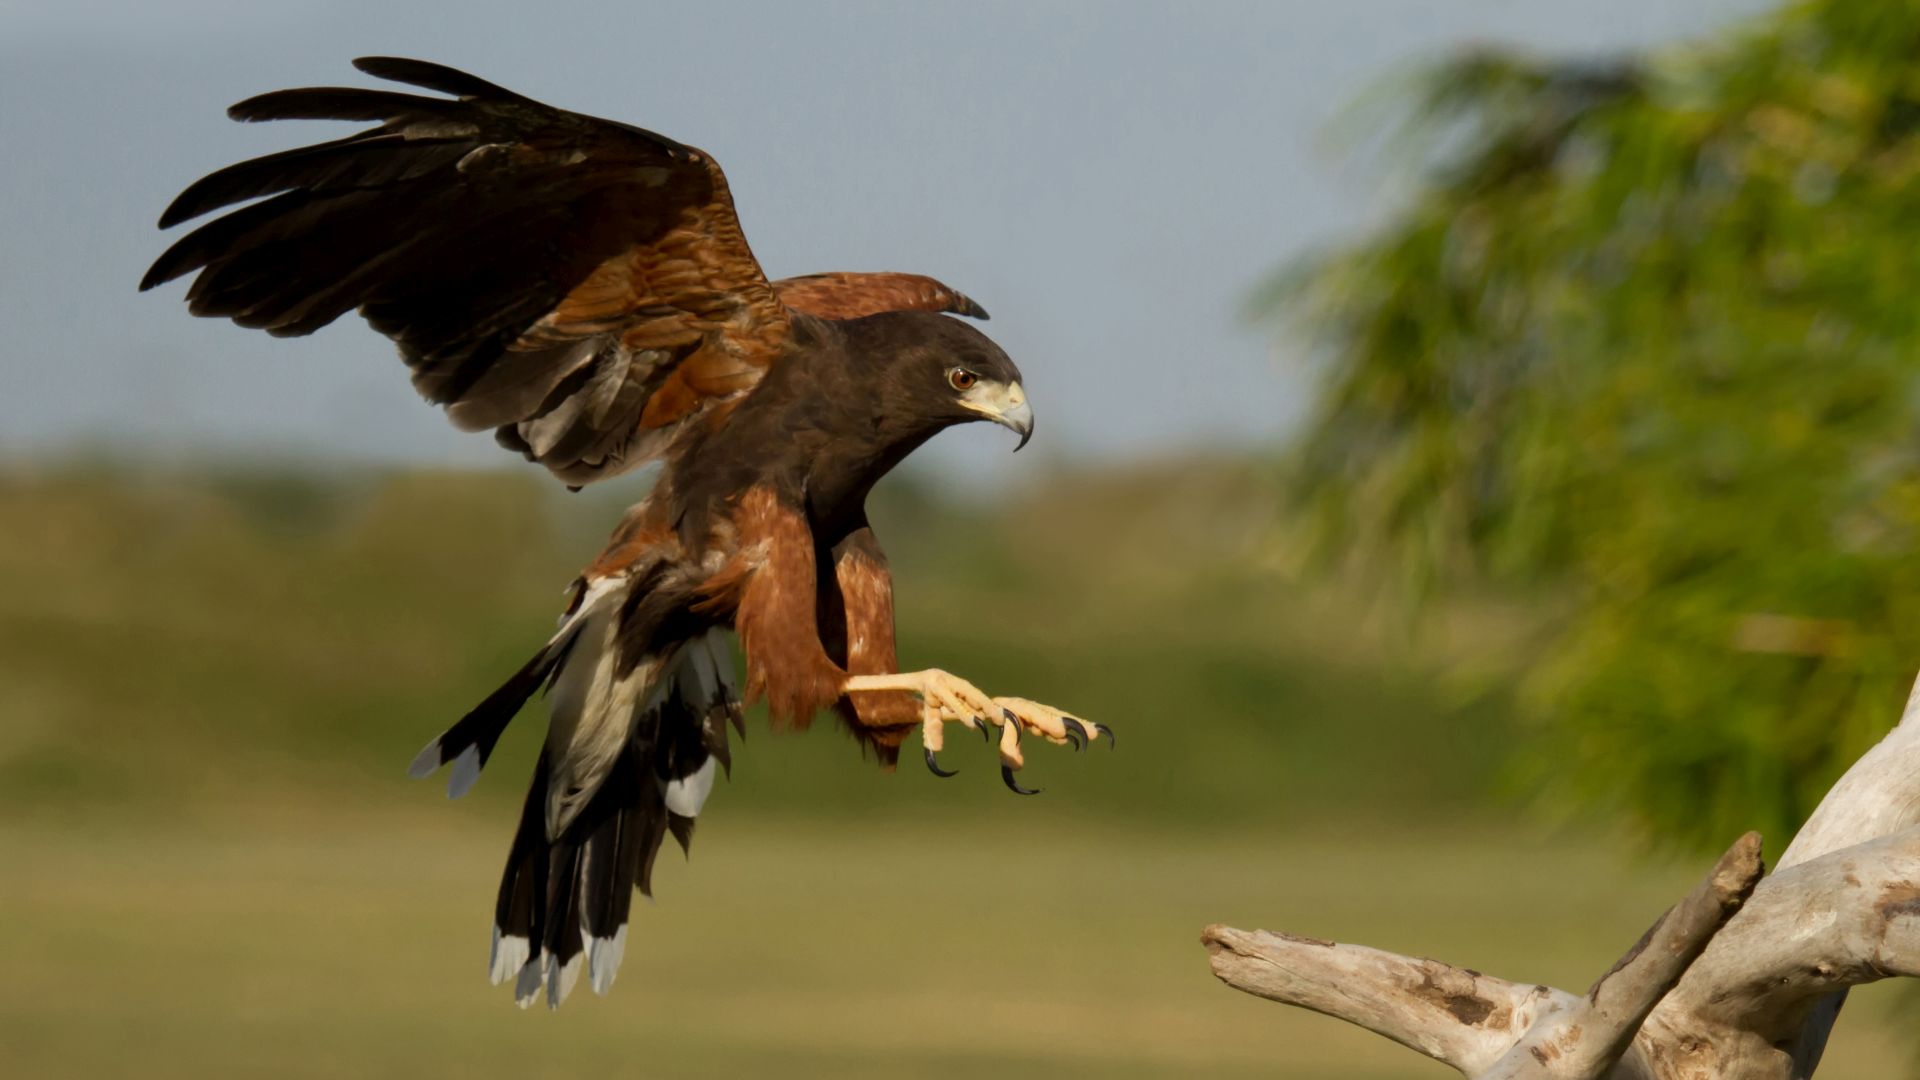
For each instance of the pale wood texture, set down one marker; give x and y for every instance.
(1742, 980)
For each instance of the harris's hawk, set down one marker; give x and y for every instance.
(582, 288)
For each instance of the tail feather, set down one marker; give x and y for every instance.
(573, 895)
(682, 830)
(651, 838)
(565, 943)
(469, 743)
(521, 907)
(610, 863)
(565, 900)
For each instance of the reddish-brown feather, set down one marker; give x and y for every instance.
(850, 295)
(708, 374)
(669, 404)
(692, 295)
(883, 719)
(776, 621)
(639, 536)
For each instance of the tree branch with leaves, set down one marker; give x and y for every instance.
(1640, 352)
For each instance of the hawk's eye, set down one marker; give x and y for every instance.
(961, 379)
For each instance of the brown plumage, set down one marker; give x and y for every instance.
(583, 288)
(843, 295)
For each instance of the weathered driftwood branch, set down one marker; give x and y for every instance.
(1583, 1039)
(1742, 980)
(1484, 1026)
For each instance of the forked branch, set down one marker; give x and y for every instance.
(1741, 980)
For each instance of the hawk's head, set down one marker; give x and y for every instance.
(938, 371)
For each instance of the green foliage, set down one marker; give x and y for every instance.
(1643, 348)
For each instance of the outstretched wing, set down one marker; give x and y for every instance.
(579, 285)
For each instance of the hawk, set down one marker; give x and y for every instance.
(582, 288)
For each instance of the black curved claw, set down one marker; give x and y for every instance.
(980, 725)
(1006, 774)
(1076, 733)
(933, 766)
(1102, 729)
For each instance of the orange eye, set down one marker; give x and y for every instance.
(961, 379)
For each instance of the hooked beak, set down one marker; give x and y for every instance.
(1004, 404)
(1020, 419)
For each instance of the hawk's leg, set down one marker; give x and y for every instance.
(948, 699)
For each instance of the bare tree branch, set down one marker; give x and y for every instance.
(1583, 1040)
(1450, 1014)
(1844, 919)
(1878, 796)
(1740, 981)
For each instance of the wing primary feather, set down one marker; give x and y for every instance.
(509, 248)
(367, 160)
(480, 729)
(344, 103)
(434, 77)
(211, 240)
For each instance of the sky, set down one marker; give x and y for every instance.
(1111, 180)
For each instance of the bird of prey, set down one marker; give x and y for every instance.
(583, 288)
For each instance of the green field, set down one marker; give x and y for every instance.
(214, 866)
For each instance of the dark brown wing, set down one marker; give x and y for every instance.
(846, 295)
(579, 285)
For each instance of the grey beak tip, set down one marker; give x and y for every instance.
(1014, 414)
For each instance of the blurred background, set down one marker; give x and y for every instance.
(1476, 479)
